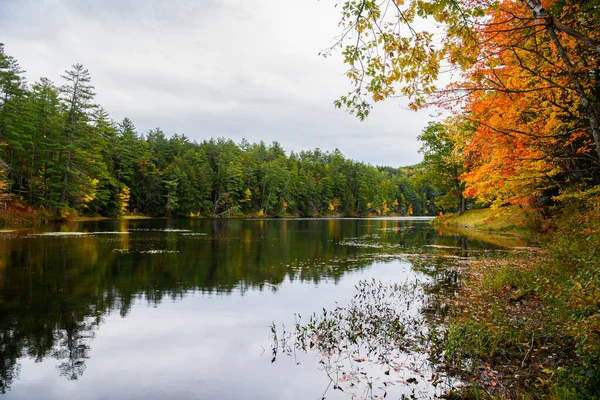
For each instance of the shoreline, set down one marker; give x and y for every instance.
(525, 325)
(33, 220)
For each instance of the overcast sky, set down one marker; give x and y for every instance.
(210, 68)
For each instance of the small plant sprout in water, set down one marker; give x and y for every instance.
(377, 344)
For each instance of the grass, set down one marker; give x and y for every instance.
(136, 216)
(503, 219)
(527, 325)
(499, 238)
(503, 328)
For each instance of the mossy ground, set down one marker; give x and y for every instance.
(527, 325)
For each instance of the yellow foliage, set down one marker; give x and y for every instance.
(89, 191)
(247, 196)
(124, 197)
(3, 184)
(384, 207)
(334, 204)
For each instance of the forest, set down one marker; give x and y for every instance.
(61, 152)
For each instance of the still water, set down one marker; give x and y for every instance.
(181, 309)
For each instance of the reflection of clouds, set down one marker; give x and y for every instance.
(212, 345)
(357, 243)
(76, 234)
(439, 246)
(197, 319)
(159, 230)
(154, 251)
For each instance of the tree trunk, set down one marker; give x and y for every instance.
(268, 199)
(63, 193)
(460, 199)
(216, 199)
(540, 12)
(585, 102)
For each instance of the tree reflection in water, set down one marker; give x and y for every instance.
(55, 290)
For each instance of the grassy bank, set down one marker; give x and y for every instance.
(528, 325)
(514, 219)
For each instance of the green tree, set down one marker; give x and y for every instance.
(77, 95)
(12, 121)
(442, 152)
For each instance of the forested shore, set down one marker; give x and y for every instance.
(62, 153)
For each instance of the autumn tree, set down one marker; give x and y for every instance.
(531, 134)
(529, 82)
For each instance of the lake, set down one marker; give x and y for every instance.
(182, 309)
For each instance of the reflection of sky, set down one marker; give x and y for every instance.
(202, 347)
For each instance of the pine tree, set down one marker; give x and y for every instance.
(77, 95)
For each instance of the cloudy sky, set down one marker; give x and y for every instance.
(209, 68)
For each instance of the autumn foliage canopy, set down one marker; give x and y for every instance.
(524, 92)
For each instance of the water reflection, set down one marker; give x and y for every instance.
(59, 283)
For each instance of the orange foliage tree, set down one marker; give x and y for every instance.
(529, 83)
(533, 132)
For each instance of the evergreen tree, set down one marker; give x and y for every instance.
(77, 95)
(61, 151)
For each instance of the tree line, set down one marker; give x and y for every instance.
(61, 151)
